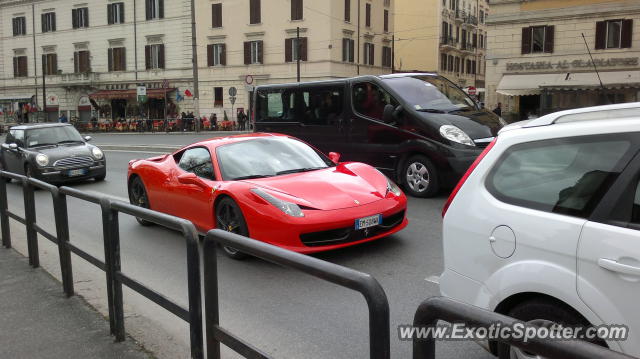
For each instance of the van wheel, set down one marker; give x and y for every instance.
(544, 313)
(419, 177)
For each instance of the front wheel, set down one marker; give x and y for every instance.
(100, 178)
(229, 218)
(419, 177)
(138, 197)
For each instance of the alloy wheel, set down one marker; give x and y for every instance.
(418, 177)
(517, 353)
(229, 220)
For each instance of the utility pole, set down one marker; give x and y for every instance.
(135, 39)
(358, 52)
(393, 53)
(35, 58)
(44, 85)
(298, 48)
(194, 54)
(594, 64)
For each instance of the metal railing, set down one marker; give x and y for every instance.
(379, 335)
(451, 311)
(115, 277)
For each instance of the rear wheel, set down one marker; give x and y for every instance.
(419, 177)
(229, 218)
(138, 197)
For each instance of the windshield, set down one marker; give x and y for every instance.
(430, 93)
(268, 157)
(52, 136)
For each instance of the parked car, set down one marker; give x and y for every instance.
(54, 153)
(544, 227)
(273, 188)
(420, 129)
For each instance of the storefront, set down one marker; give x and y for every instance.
(117, 105)
(16, 109)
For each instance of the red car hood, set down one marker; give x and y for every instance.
(344, 186)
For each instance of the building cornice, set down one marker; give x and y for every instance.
(595, 11)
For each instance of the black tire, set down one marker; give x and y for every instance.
(100, 178)
(138, 197)
(542, 312)
(229, 217)
(419, 177)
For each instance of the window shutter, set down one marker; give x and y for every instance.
(247, 52)
(216, 15)
(347, 10)
(53, 21)
(368, 15)
(372, 54)
(549, 36)
(296, 10)
(345, 43)
(110, 60)
(288, 55)
(386, 21)
(147, 57)
(54, 63)
(210, 55)
(110, 14)
(161, 56)
(254, 12)
(147, 8)
(15, 67)
(74, 18)
(86, 17)
(22, 64)
(526, 40)
(352, 52)
(223, 54)
(601, 35)
(121, 6)
(123, 59)
(161, 9)
(76, 62)
(304, 55)
(627, 34)
(475, 40)
(260, 52)
(15, 28)
(42, 17)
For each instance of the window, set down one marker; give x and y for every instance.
(80, 17)
(370, 99)
(218, 97)
(276, 105)
(482, 16)
(117, 59)
(115, 13)
(197, 161)
(348, 46)
(614, 34)
(19, 26)
(297, 9)
(81, 62)
(154, 9)
(474, 67)
(450, 63)
(566, 176)
(49, 22)
(386, 20)
(50, 64)
(255, 15)
(469, 66)
(20, 66)
(482, 41)
(536, 39)
(456, 65)
(368, 15)
(347, 10)
(386, 56)
(216, 15)
(216, 55)
(323, 105)
(253, 52)
(443, 62)
(154, 56)
(369, 54)
(293, 47)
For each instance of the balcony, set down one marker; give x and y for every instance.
(471, 20)
(447, 41)
(460, 16)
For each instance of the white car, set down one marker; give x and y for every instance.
(545, 226)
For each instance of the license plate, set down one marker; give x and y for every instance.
(76, 173)
(367, 222)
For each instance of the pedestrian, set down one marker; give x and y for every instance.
(190, 119)
(214, 122)
(63, 118)
(242, 120)
(498, 109)
(183, 120)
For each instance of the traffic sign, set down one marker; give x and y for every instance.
(233, 91)
(142, 91)
(472, 90)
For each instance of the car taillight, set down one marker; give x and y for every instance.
(466, 175)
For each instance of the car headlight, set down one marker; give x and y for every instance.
(393, 188)
(289, 208)
(42, 160)
(453, 133)
(97, 153)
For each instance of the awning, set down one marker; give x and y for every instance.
(129, 94)
(16, 98)
(523, 85)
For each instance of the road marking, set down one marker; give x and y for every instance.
(435, 279)
(135, 151)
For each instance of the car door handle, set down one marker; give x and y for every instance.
(614, 266)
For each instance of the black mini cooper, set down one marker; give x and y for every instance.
(54, 153)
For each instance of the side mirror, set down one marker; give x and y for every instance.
(87, 138)
(387, 114)
(334, 157)
(191, 178)
(10, 146)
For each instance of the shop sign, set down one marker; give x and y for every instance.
(575, 64)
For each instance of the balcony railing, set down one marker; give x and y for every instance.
(447, 41)
(460, 15)
(472, 20)
(80, 77)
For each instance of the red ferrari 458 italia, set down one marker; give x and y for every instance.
(273, 188)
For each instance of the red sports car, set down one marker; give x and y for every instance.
(273, 188)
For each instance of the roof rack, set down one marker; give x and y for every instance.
(623, 110)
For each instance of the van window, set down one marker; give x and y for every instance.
(566, 176)
(275, 106)
(369, 100)
(323, 105)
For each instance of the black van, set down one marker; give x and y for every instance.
(420, 129)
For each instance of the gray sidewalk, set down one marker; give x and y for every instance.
(38, 321)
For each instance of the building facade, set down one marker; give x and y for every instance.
(444, 36)
(246, 43)
(539, 59)
(92, 55)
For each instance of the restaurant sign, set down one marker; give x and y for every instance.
(568, 65)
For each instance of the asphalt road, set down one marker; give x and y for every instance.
(285, 313)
